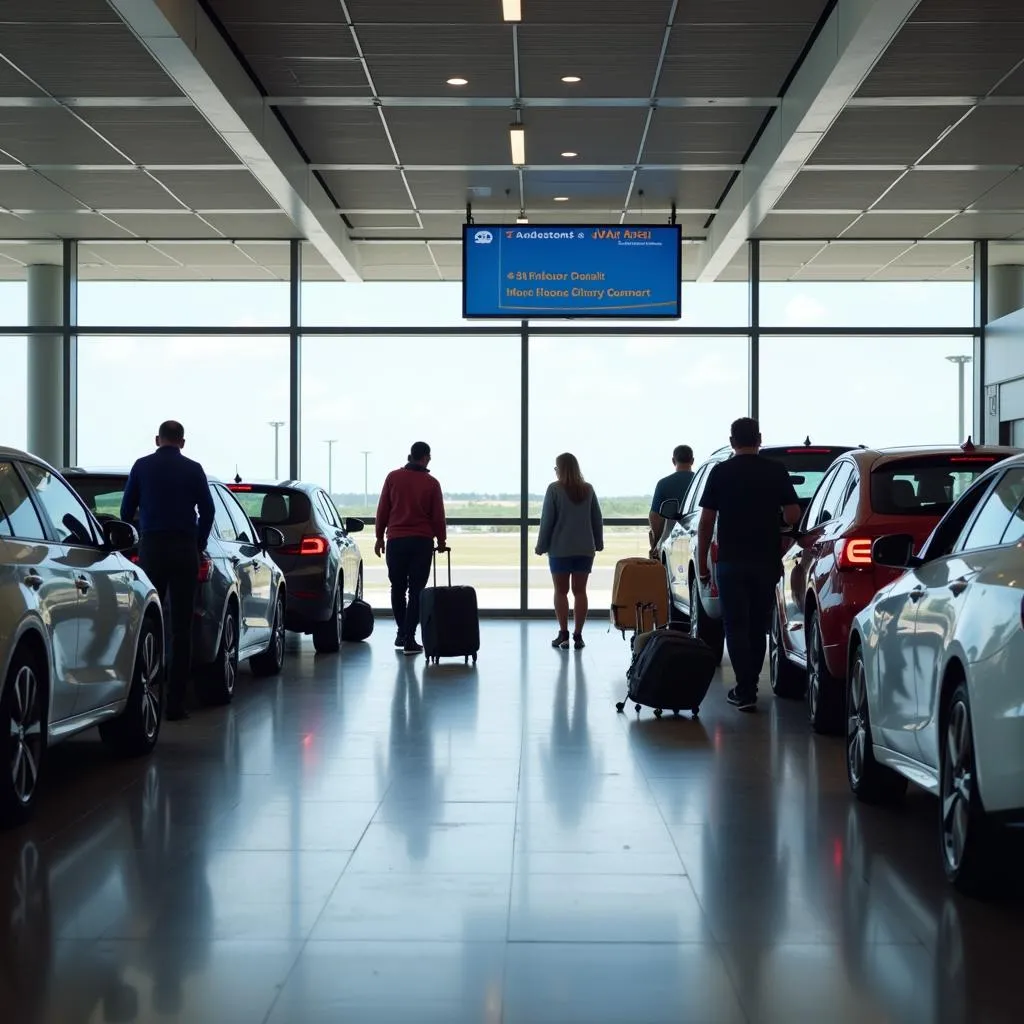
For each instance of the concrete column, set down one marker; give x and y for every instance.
(1005, 290)
(46, 364)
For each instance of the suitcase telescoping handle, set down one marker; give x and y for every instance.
(449, 553)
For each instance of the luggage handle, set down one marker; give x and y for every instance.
(641, 607)
(434, 560)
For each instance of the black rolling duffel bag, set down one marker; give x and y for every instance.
(449, 620)
(671, 672)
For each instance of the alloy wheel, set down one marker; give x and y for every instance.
(230, 642)
(813, 669)
(278, 634)
(26, 734)
(774, 648)
(149, 667)
(338, 624)
(857, 724)
(957, 784)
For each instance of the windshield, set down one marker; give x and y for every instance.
(925, 486)
(102, 494)
(806, 466)
(272, 506)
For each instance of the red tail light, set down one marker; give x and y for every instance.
(314, 545)
(205, 569)
(240, 488)
(854, 553)
(134, 559)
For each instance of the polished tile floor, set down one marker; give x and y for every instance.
(370, 840)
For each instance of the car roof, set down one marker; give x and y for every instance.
(877, 458)
(72, 471)
(800, 446)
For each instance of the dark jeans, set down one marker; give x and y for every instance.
(409, 560)
(747, 590)
(171, 561)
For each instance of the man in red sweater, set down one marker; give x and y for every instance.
(411, 514)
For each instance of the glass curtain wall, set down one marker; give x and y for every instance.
(203, 333)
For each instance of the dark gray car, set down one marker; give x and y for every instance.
(241, 597)
(321, 562)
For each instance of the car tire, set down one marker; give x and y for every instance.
(135, 731)
(271, 661)
(220, 676)
(870, 782)
(788, 681)
(703, 627)
(968, 839)
(824, 693)
(23, 735)
(327, 635)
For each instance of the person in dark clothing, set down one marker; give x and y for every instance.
(172, 498)
(410, 514)
(669, 488)
(746, 494)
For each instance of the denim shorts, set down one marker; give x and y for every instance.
(571, 564)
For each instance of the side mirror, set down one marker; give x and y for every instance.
(120, 536)
(271, 537)
(895, 551)
(670, 509)
(354, 526)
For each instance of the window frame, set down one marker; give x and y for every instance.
(820, 494)
(19, 477)
(963, 540)
(51, 528)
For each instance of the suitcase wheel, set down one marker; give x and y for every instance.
(657, 712)
(621, 706)
(474, 659)
(675, 711)
(696, 712)
(637, 708)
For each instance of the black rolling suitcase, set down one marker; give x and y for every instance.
(449, 621)
(671, 671)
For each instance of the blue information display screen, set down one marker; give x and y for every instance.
(571, 271)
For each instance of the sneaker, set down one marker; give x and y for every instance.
(561, 641)
(399, 642)
(740, 701)
(577, 641)
(411, 648)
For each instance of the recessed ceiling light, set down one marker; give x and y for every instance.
(512, 10)
(571, 79)
(458, 81)
(570, 155)
(561, 199)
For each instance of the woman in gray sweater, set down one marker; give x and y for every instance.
(571, 532)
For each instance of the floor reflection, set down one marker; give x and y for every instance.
(371, 839)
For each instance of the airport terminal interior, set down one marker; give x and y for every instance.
(318, 231)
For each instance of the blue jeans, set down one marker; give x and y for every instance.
(747, 590)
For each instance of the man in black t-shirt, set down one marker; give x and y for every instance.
(746, 494)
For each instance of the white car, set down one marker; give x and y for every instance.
(81, 630)
(934, 693)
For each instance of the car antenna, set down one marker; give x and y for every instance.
(238, 479)
(807, 441)
(968, 445)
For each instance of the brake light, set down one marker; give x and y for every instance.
(812, 451)
(314, 545)
(973, 458)
(240, 487)
(854, 553)
(205, 569)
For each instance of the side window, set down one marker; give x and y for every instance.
(836, 497)
(330, 510)
(68, 517)
(221, 518)
(244, 532)
(693, 495)
(812, 517)
(18, 516)
(946, 534)
(995, 515)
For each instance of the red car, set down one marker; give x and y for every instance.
(829, 575)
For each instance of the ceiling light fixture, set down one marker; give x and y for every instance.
(570, 155)
(571, 79)
(517, 139)
(561, 199)
(512, 10)
(458, 81)
(522, 218)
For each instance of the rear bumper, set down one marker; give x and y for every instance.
(310, 596)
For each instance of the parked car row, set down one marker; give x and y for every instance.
(899, 618)
(82, 632)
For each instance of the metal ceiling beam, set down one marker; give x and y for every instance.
(851, 41)
(185, 43)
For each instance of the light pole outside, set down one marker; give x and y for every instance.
(366, 479)
(961, 364)
(277, 425)
(330, 465)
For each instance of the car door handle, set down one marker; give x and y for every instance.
(33, 580)
(916, 594)
(82, 584)
(958, 586)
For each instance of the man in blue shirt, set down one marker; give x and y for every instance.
(673, 486)
(172, 498)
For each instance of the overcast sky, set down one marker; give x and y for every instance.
(620, 404)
